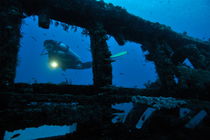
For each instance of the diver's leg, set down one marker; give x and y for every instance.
(86, 65)
(78, 66)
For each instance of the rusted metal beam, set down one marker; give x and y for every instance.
(33, 114)
(122, 25)
(2, 132)
(45, 92)
(11, 16)
(160, 53)
(102, 68)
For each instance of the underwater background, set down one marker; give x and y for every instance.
(131, 70)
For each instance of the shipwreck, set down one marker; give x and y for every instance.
(25, 105)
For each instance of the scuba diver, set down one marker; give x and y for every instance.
(60, 55)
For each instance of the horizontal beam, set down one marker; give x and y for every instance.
(121, 24)
(30, 110)
(112, 91)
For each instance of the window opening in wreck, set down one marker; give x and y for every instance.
(132, 69)
(34, 68)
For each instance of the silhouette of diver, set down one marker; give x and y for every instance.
(60, 55)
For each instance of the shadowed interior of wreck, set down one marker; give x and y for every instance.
(167, 49)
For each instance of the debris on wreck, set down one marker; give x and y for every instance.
(159, 102)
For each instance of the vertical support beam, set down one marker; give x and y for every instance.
(161, 54)
(11, 16)
(102, 68)
(2, 132)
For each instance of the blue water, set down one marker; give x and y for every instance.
(131, 70)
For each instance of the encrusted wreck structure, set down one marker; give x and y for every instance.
(24, 105)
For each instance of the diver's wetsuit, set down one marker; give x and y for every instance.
(66, 57)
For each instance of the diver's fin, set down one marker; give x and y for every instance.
(119, 54)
